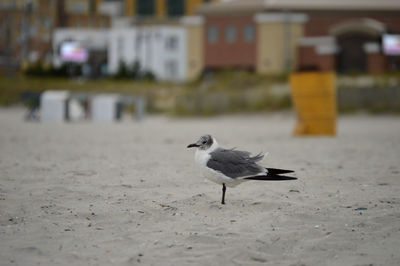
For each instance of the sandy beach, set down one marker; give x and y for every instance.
(129, 194)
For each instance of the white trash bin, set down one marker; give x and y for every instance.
(54, 106)
(105, 107)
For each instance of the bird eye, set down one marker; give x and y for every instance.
(204, 142)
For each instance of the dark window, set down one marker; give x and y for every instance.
(230, 33)
(352, 56)
(92, 7)
(212, 34)
(171, 43)
(175, 8)
(145, 7)
(249, 33)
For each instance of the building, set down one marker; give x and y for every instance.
(347, 36)
(167, 42)
(26, 29)
(151, 23)
(171, 52)
(279, 36)
(27, 26)
(238, 34)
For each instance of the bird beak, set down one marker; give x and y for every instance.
(192, 145)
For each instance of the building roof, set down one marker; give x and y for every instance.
(252, 6)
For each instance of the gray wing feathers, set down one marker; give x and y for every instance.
(235, 164)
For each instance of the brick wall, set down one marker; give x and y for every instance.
(376, 63)
(308, 58)
(221, 53)
(320, 24)
(88, 21)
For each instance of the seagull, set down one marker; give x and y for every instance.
(230, 167)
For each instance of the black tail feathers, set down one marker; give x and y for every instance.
(275, 171)
(274, 175)
(271, 177)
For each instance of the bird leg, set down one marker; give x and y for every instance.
(223, 193)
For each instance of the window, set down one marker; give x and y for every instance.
(212, 34)
(92, 6)
(230, 33)
(138, 42)
(171, 43)
(145, 7)
(175, 7)
(171, 69)
(120, 47)
(30, 6)
(249, 33)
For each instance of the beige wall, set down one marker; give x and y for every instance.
(129, 8)
(271, 46)
(195, 58)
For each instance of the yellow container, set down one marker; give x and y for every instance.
(314, 98)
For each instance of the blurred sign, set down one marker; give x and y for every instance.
(73, 52)
(391, 44)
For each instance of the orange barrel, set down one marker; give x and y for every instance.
(314, 98)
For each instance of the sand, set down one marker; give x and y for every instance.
(129, 194)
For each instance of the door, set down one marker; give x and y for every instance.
(351, 56)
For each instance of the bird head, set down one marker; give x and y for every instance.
(204, 142)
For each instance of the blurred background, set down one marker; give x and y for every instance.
(93, 192)
(198, 57)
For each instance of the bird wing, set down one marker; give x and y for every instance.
(235, 164)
